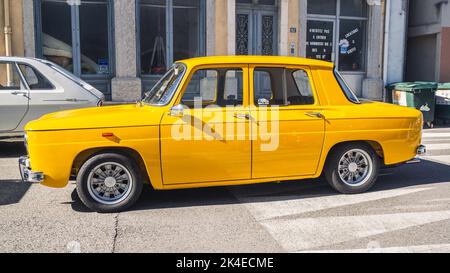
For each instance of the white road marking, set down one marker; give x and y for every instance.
(436, 135)
(297, 205)
(440, 248)
(312, 233)
(438, 146)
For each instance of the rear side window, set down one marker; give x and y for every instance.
(35, 80)
(282, 87)
(346, 89)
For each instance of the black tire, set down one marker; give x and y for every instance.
(332, 169)
(133, 192)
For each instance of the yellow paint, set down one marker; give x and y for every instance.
(57, 139)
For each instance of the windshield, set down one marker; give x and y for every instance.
(347, 90)
(163, 91)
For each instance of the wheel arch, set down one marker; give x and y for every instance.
(85, 155)
(375, 145)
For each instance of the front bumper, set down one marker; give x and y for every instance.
(27, 174)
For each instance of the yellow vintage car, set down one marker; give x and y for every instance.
(218, 121)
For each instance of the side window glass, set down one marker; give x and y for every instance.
(281, 87)
(35, 80)
(9, 78)
(215, 87)
(233, 88)
(262, 87)
(301, 93)
(203, 87)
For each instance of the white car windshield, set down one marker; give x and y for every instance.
(163, 91)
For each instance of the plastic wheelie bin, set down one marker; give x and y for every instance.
(443, 103)
(419, 95)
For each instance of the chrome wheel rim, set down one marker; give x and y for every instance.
(355, 167)
(109, 183)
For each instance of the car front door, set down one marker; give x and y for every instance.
(45, 97)
(13, 97)
(206, 136)
(288, 124)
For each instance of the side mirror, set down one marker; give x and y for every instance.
(177, 111)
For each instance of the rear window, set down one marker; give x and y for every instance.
(345, 88)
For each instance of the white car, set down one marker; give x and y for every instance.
(30, 88)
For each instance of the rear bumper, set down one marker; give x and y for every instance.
(27, 174)
(421, 150)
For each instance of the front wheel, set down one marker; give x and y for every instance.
(352, 168)
(109, 183)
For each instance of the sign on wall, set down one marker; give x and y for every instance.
(319, 41)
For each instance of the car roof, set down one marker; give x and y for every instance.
(17, 59)
(282, 60)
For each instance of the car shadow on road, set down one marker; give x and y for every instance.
(11, 192)
(425, 173)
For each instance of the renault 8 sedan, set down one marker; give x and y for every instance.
(219, 121)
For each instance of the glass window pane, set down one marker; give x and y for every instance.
(324, 7)
(266, 2)
(163, 91)
(319, 42)
(351, 45)
(153, 36)
(186, 29)
(57, 33)
(203, 87)
(9, 78)
(94, 37)
(244, 1)
(357, 8)
(35, 80)
(233, 88)
(301, 93)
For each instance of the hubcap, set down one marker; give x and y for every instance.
(109, 183)
(355, 167)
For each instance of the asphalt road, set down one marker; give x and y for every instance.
(407, 211)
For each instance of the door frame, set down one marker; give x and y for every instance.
(255, 13)
(15, 67)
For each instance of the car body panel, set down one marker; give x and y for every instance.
(64, 94)
(57, 140)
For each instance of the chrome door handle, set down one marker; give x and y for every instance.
(314, 114)
(242, 116)
(19, 93)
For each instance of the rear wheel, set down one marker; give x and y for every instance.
(352, 168)
(109, 182)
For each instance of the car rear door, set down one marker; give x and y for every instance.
(14, 97)
(289, 127)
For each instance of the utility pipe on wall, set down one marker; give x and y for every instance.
(8, 34)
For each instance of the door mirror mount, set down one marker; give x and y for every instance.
(177, 111)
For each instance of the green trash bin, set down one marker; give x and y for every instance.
(443, 102)
(419, 95)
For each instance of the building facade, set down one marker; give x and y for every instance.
(428, 53)
(122, 47)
